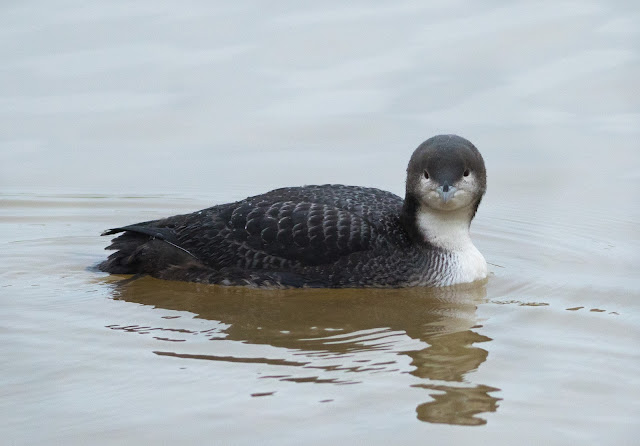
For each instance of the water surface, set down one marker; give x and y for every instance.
(114, 114)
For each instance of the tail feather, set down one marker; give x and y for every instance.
(155, 232)
(139, 253)
(143, 250)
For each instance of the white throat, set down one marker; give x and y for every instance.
(449, 230)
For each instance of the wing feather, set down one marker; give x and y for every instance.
(282, 229)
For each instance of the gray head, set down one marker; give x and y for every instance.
(446, 173)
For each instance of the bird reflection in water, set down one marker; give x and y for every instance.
(340, 331)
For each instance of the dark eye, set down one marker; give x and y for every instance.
(466, 172)
(426, 175)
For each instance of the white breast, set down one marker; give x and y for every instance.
(466, 266)
(462, 262)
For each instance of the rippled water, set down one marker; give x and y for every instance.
(113, 114)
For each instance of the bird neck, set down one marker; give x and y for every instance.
(448, 230)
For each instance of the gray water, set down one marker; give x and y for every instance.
(119, 112)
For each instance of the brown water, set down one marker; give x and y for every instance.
(120, 113)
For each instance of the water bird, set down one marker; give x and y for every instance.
(328, 236)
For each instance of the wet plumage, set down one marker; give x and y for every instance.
(316, 236)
